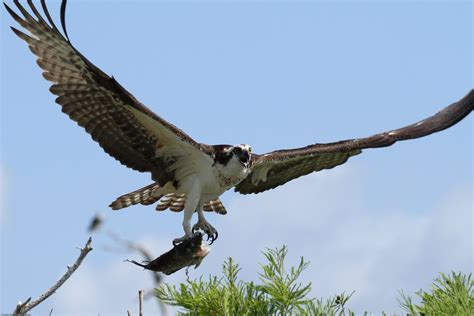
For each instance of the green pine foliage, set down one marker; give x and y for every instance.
(279, 292)
(449, 295)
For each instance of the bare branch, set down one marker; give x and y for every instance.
(146, 254)
(140, 302)
(131, 246)
(23, 308)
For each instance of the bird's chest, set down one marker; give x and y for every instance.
(226, 177)
(228, 180)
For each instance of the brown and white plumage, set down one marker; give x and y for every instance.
(172, 201)
(188, 176)
(124, 127)
(278, 167)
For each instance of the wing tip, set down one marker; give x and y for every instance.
(469, 99)
(20, 34)
(13, 14)
(6, 6)
(63, 18)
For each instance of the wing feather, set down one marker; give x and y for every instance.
(123, 127)
(278, 167)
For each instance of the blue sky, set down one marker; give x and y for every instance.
(271, 74)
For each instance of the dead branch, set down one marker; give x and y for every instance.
(147, 256)
(23, 308)
(132, 246)
(140, 302)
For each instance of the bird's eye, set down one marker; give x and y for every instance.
(237, 150)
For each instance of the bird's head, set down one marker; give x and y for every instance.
(240, 153)
(243, 153)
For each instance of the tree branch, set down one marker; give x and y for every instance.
(146, 254)
(23, 308)
(140, 302)
(132, 246)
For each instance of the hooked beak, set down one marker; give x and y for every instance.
(245, 158)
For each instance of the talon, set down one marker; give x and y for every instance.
(178, 241)
(207, 228)
(212, 237)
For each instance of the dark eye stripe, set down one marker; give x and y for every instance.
(237, 150)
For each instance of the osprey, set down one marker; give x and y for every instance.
(187, 175)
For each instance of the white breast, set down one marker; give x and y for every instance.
(231, 174)
(214, 179)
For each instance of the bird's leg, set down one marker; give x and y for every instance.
(190, 206)
(204, 225)
(188, 214)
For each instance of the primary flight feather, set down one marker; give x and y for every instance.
(187, 175)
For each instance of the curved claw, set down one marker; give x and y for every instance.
(207, 229)
(213, 237)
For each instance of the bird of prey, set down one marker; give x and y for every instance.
(187, 175)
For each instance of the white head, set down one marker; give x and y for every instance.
(240, 153)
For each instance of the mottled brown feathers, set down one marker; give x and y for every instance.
(279, 167)
(96, 101)
(284, 170)
(176, 202)
(145, 196)
(131, 133)
(215, 206)
(172, 201)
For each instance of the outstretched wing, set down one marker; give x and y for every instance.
(124, 128)
(278, 167)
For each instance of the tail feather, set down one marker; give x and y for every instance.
(172, 201)
(215, 206)
(145, 196)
